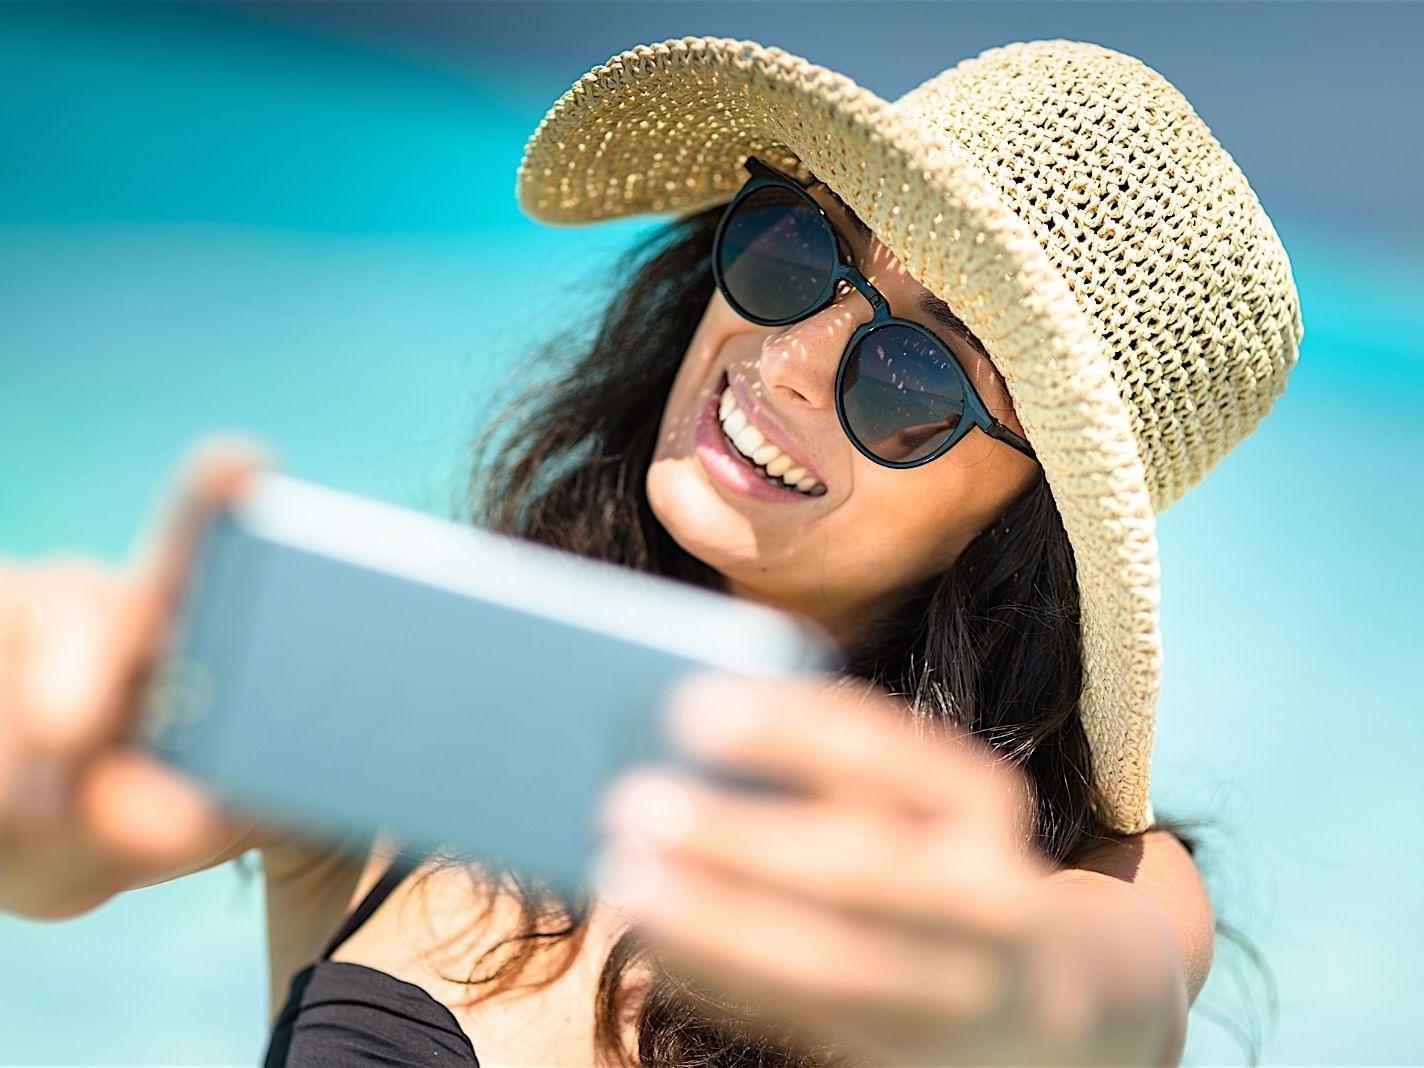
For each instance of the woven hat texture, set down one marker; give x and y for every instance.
(1074, 210)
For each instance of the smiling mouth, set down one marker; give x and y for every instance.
(748, 444)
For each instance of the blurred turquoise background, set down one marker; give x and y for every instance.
(298, 221)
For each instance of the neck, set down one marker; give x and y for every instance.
(845, 624)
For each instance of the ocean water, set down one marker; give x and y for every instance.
(208, 223)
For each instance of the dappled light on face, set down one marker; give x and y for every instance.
(799, 362)
(907, 522)
(887, 396)
(680, 419)
(808, 394)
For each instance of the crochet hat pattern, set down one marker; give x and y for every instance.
(1074, 210)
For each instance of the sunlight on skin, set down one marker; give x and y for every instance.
(844, 557)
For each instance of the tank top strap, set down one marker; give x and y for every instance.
(405, 862)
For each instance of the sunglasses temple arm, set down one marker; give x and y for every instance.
(996, 429)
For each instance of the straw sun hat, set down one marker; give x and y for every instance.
(1069, 204)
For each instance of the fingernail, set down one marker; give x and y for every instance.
(709, 714)
(651, 809)
(629, 877)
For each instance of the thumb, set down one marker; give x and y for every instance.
(214, 475)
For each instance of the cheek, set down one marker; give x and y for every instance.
(676, 425)
(886, 542)
(906, 525)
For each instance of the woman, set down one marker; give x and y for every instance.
(925, 379)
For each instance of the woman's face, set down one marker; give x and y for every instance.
(867, 534)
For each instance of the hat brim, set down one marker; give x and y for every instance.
(665, 128)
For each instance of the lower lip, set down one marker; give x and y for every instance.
(728, 466)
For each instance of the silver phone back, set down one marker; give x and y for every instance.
(345, 665)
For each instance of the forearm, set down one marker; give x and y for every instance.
(1112, 987)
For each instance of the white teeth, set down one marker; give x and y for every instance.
(752, 444)
(766, 454)
(749, 439)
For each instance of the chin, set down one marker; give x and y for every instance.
(711, 530)
(696, 517)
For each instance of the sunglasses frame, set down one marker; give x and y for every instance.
(976, 413)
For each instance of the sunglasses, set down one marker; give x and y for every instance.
(902, 397)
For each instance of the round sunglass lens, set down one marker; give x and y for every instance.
(902, 393)
(776, 256)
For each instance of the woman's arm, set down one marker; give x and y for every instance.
(85, 812)
(1158, 866)
(1133, 924)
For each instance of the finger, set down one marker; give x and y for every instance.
(215, 474)
(65, 700)
(818, 963)
(59, 688)
(140, 811)
(930, 876)
(20, 618)
(65, 680)
(848, 740)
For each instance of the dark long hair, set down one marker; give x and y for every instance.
(991, 645)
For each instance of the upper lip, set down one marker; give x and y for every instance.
(771, 428)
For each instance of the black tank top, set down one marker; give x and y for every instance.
(344, 1015)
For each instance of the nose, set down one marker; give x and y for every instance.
(799, 362)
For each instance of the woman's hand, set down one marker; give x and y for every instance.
(893, 906)
(84, 813)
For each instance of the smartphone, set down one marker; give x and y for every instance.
(346, 665)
